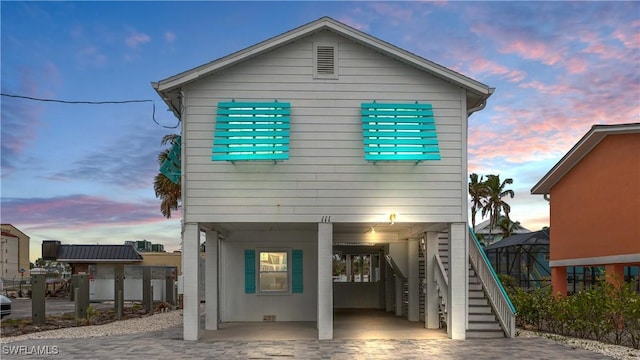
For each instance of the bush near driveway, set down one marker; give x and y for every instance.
(605, 313)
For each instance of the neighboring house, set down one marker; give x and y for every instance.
(489, 236)
(323, 153)
(100, 262)
(173, 259)
(595, 204)
(14, 253)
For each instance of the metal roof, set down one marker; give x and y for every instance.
(98, 253)
(589, 141)
(540, 237)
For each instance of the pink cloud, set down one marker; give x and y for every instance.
(135, 38)
(170, 36)
(533, 50)
(481, 65)
(78, 211)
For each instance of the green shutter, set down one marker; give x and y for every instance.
(296, 271)
(249, 271)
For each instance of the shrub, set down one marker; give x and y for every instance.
(604, 313)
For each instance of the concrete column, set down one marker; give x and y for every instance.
(458, 286)
(191, 271)
(38, 295)
(413, 278)
(325, 281)
(147, 290)
(388, 287)
(559, 280)
(614, 274)
(432, 320)
(211, 279)
(397, 282)
(118, 289)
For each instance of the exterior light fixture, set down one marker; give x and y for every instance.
(373, 230)
(392, 218)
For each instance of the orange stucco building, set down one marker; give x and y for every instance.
(594, 193)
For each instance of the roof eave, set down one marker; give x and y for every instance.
(177, 81)
(589, 141)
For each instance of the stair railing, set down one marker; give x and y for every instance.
(442, 282)
(404, 286)
(504, 309)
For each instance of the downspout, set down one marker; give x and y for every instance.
(546, 197)
(477, 108)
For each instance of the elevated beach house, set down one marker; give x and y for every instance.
(327, 169)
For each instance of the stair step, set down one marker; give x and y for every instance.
(482, 334)
(475, 286)
(478, 309)
(484, 325)
(478, 301)
(487, 316)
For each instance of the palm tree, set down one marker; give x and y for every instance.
(507, 226)
(167, 191)
(477, 191)
(494, 203)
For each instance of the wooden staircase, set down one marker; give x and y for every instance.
(482, 319)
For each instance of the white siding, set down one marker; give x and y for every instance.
(326, 173)
(235, 305)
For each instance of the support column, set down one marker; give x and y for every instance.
(211, 281)
(458, 286)
(614, 274)
(559, 280)
(325, 281)
(118, 289)
(191, 271)
(432, 320)
(397, 283)
(413, 280)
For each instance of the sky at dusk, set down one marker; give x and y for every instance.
(84, 173)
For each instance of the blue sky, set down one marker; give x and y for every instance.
(84, 173)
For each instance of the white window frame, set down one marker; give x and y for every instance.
(259, 271)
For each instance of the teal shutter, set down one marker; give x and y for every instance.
(249, 271)
(296, 271)
(252, 131)
(399, 132)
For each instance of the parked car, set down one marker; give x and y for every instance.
(5, 306)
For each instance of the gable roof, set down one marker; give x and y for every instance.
(98, 253)
(10, 228)
(589, 141)
(483, 228)
(540, 237)
(168, 88)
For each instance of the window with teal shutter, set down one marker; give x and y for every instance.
(171, 165)
(399, 132)
(296, 271)
(247, 131)
(249, 271)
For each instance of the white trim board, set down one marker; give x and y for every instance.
(598, 260)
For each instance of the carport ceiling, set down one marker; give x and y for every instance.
(404, 230)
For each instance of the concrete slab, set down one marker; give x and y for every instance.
(348, 324)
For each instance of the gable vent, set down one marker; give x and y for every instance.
(325, 60)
